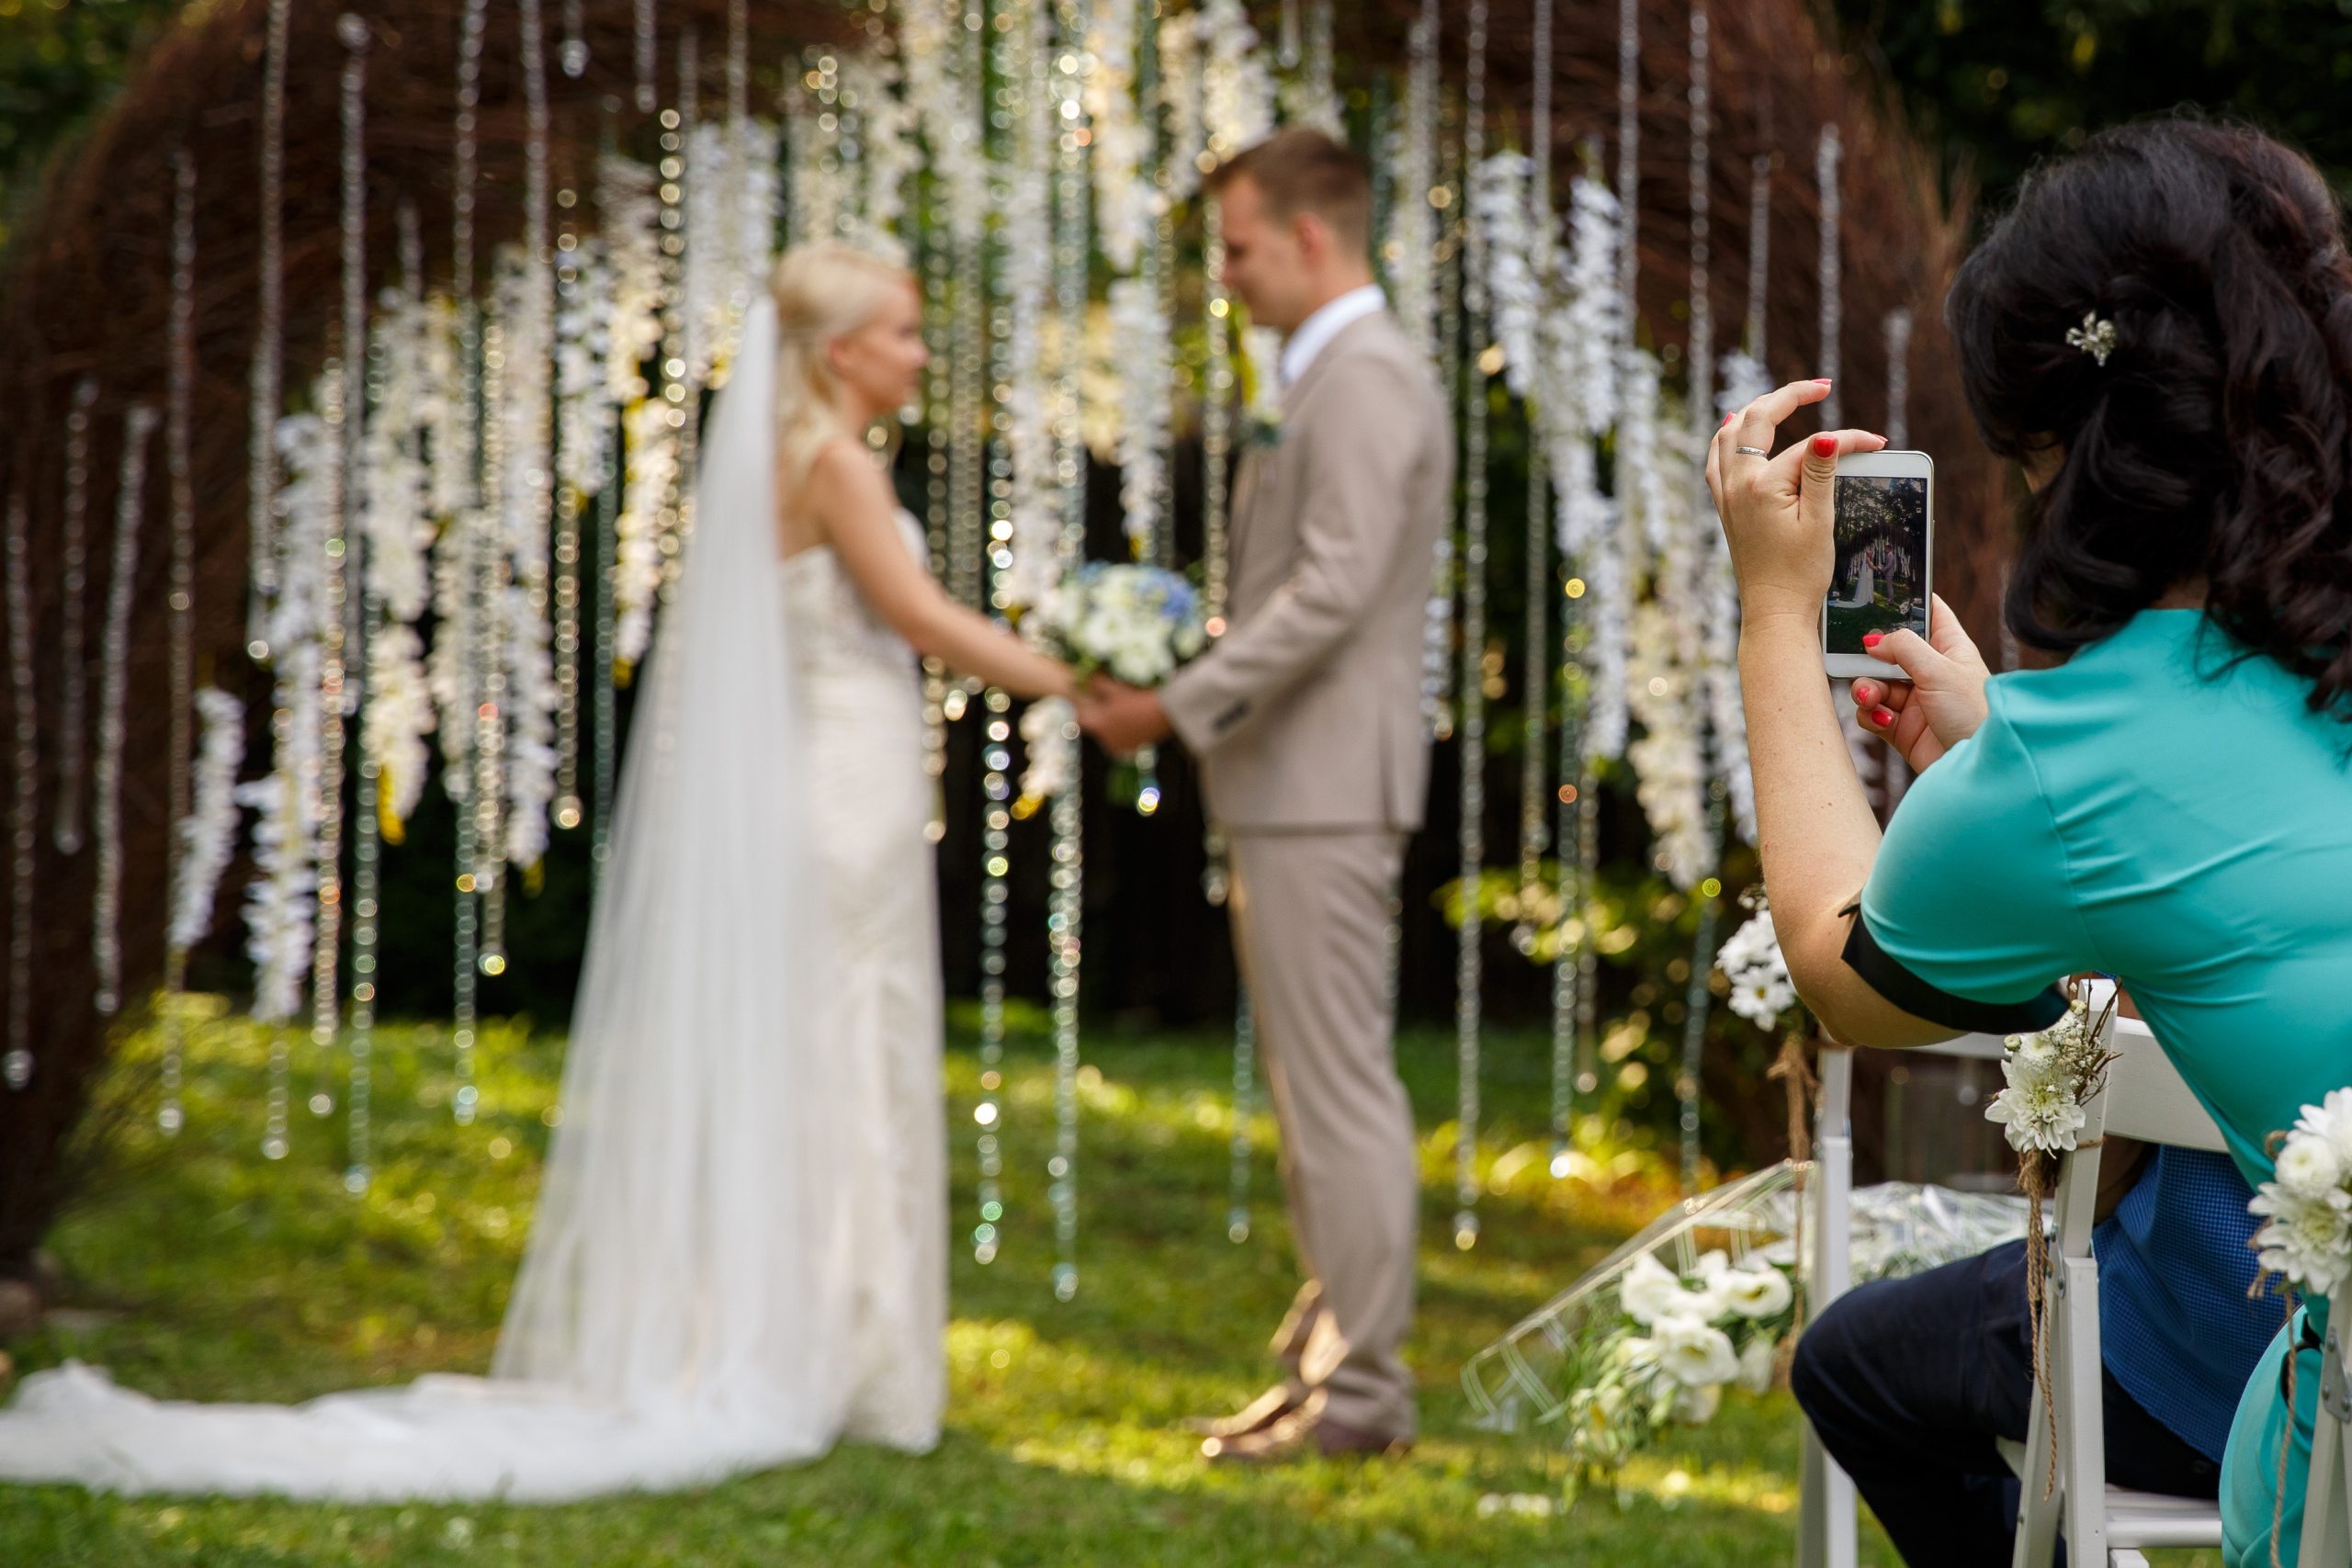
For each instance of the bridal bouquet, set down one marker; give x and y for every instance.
(2307, 1204)
(1664, 1356)
(1135, 624)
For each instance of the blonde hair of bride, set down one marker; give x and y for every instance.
(823, 291)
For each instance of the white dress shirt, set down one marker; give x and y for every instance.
(1315, 333)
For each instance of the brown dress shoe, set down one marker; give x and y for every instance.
(1255, 1417)
(1294, 1438)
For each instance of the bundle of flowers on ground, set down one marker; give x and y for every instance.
(1700, 1301)
(2306, 1237)
(1678, 1340)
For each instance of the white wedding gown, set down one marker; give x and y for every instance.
(739, 1254)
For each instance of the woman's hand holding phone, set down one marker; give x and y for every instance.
(1936, 701)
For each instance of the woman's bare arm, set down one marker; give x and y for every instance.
(854, 508)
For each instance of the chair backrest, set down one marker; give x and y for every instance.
(2147, 1099)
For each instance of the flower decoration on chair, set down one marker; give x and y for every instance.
(2306, 1207)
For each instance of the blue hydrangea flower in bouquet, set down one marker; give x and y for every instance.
(1135, 624)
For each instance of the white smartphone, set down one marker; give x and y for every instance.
(1885, 509)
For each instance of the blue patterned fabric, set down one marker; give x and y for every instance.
(2176, 1326)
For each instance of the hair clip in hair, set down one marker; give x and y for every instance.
(2095, 338)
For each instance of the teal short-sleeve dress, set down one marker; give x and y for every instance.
(2165, 809)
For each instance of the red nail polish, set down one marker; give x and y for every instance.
(1825, 445)
(1872, 640)
(1882, 717)
(1729, 417)
(1821, 380)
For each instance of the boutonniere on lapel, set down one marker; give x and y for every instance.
(1262, 433)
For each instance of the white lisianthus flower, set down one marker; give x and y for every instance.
(1694, 1352)
(1648, 1291)
(1756, 1364)
(1713, 1264)
(1697, 1406)
(1755, 1292)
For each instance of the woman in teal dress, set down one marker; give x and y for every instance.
(2160, 331)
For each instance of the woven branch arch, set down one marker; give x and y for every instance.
(84, 292)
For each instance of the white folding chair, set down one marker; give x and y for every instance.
(2145, 1100)
(1825, 1500)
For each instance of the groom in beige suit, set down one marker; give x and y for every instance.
(1307, 720)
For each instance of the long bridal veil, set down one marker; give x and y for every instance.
(683, 1280)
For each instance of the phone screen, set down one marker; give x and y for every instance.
(1879, 580)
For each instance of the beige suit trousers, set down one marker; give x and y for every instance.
(1310, 914)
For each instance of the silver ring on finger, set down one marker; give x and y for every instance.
(1751, 452)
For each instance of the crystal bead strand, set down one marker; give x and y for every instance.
(686, 394)
(24, 810)
(74, 701)
(1826, 155)
(1534, 815)
(1067, 906)
(1472, 698)
(1898, 377)
(181, 608)
(939, 425)
(996, 759)
(465, 967)
(494, 579)
(1446, 237)
(1698, 996)
(114, 691)
(341, 657)
(647, 94)
(1245, 1085)
(269, 341)
(573, 53)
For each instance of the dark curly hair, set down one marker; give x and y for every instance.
(2215, 443)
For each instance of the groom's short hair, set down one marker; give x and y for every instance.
(1305, 170)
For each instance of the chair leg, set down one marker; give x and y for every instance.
(1826, 1510)
(2124, 1557)
(2082, 1438)
(1826, 1503)
(2037, 1537)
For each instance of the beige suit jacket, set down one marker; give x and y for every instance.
(1307, 714)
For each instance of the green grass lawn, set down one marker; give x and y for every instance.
(201, 1270)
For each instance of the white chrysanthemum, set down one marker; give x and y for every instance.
(2308, 1168)
(2036, 1110)
(1694, 1352)
(1758, 1293)
(2308, 1242)
(2331, 1120)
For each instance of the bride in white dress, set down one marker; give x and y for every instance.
(739, 1255)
